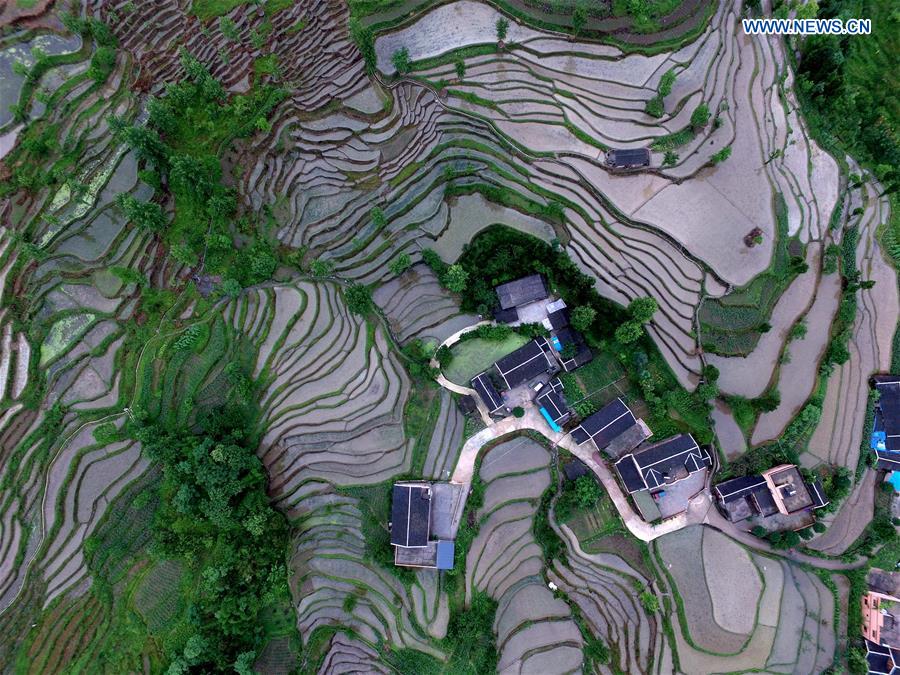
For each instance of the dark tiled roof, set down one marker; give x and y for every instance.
(554, 403)
(888, 406)
(566, 336)
(521, 291)
(506, 315)
(666, 462)
(630, 474)
(633, 157)
(882, 660)
(487, 392)
(738, 488)
(558, 319)
(526, 363)
(410, 515)
(817, 492)
(887, 460)
(765, 503)
(605, 425)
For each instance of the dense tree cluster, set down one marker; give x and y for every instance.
(215, 516)
(180, 143)
(847, 84)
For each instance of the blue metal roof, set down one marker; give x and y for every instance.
(445, 553)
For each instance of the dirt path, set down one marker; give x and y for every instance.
(533, 421)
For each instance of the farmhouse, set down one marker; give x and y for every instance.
(613, 428)
(885, 439)
(779, 498)
(664, 477)
(662, 464)
(628, 159)
(526, 363)
(521, 291)
(420, 510)
(880, 607)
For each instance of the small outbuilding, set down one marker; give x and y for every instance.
(421, 524)
(487, 392)
(552, 405)
(628, 159)
(521, 291)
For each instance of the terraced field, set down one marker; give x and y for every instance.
(106, 324)
(742, 610)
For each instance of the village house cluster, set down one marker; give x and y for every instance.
(661, 478)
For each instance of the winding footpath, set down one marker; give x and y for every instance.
(701, 510)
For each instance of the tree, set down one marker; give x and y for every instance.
(759, 531)
(655, 107)
(518, 411)
(231, 288)
(670, 158)
(359, 299)
(400, 59)
(582, 317)
(628, 332)
(146, 215)
(102, 63)
(649, 601)
(444, 356)
(587, 491)
(379, 220)
(502, 27)
(460, 68)
(456, 278)
(321, 267)
(700, 116)
(707, 391)
(364, 39)
(642, 309)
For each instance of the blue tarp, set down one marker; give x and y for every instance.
(557, 345)
(553, 425)
(878, 440)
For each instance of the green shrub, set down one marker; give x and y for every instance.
(587, 491)
(655, 107)
(700, 116)
(666, 82)
(518, 411)
(721, 155)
